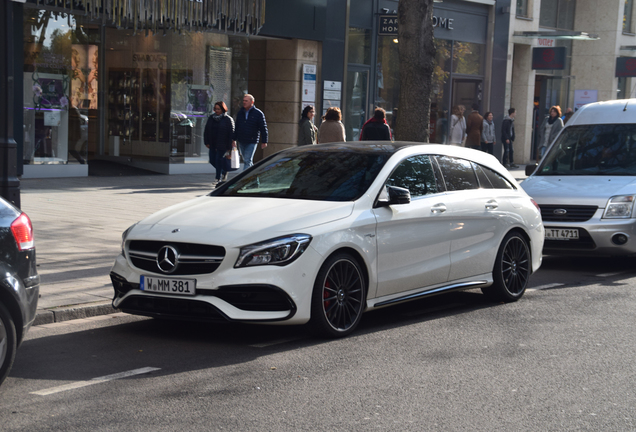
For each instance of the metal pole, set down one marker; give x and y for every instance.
(9, 182)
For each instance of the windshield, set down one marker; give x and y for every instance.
(333, 175)
(593, 150)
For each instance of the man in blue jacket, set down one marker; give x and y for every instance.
(250, 128)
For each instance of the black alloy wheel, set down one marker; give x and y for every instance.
(8, 342)
(512, 269)
(339, 296)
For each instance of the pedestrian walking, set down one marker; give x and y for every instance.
(549, 129)
(474, 127)
(488, 135)
(458, 126)
(251, 128)
(307, 131)
(508, 137)
(332, 129)
(217, 136)
(376, 128)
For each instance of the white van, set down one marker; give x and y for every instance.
(585, 184)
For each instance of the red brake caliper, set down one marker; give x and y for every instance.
(325, 294)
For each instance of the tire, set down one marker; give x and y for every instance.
(339, 297)
(8, 342)
(512, 270)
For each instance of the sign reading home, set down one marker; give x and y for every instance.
(388, 25)
(625, 67)
(548, 58)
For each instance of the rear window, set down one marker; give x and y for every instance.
(592, 150)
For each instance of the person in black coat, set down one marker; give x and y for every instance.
(376, 128)
(218, 134)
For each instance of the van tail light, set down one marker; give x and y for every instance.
(23, 232)
(536, 205)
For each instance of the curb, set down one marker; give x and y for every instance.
(67, 313)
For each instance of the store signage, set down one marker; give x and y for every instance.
(309, 83)
(548, 58)
(388, 24)
(332, 95)
(625, 67)
(546, 42)
(584, 97)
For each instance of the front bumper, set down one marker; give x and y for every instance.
(254, 294)
(595, 237)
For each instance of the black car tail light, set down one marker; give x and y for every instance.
(23, 232)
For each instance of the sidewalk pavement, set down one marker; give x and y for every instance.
(78, 223)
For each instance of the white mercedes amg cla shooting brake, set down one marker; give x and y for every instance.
(320, 234)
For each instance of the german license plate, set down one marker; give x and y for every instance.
(561, 234)
(161, 285)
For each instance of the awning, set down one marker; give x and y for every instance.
(244, 16)
(557, 34)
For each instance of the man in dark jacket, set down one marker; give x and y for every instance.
(507, 138)
(250, 128)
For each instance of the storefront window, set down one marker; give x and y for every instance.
(162, 89)
(440, 90)
(388, 78)
(60, 88)
(468, 58)
(359, 46)
(622, 90)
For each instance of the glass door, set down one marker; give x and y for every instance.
(356, 108)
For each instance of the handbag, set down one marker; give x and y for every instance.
(236, 161)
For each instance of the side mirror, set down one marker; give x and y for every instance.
(531, 168)
(398, 195)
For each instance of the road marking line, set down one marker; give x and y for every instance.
(97, 380)
(542, 287)
(276, 342)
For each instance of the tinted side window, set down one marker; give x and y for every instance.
(458, 173)
(484, 183)
(496, 180)
(415, 174)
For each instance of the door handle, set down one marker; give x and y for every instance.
(438, 208)
(491, 205)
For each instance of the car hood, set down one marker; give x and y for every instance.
(578, 190)
(233, 221)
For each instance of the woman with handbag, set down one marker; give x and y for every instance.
(458, 126)
(218, 138)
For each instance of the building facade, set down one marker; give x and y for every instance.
(92, 87)
(598, 40)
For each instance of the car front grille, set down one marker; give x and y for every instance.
(191, 310)
(566, 213)
(192, 258)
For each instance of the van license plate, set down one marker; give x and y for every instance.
(168, 285)
(561, 234)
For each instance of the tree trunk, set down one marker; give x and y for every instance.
(416, 54)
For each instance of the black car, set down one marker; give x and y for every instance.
(19, 283)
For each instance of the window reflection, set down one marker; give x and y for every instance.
(415, 174)
(458, 173)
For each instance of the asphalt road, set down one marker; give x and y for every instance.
(560, 359)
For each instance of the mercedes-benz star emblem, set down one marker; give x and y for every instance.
(167, 259)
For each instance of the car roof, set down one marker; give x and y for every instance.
(618, 111)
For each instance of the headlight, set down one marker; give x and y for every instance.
(278, 251)
(124, 235)
(619, 207)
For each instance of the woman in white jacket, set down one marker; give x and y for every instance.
(488, 137)
(457, 126)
